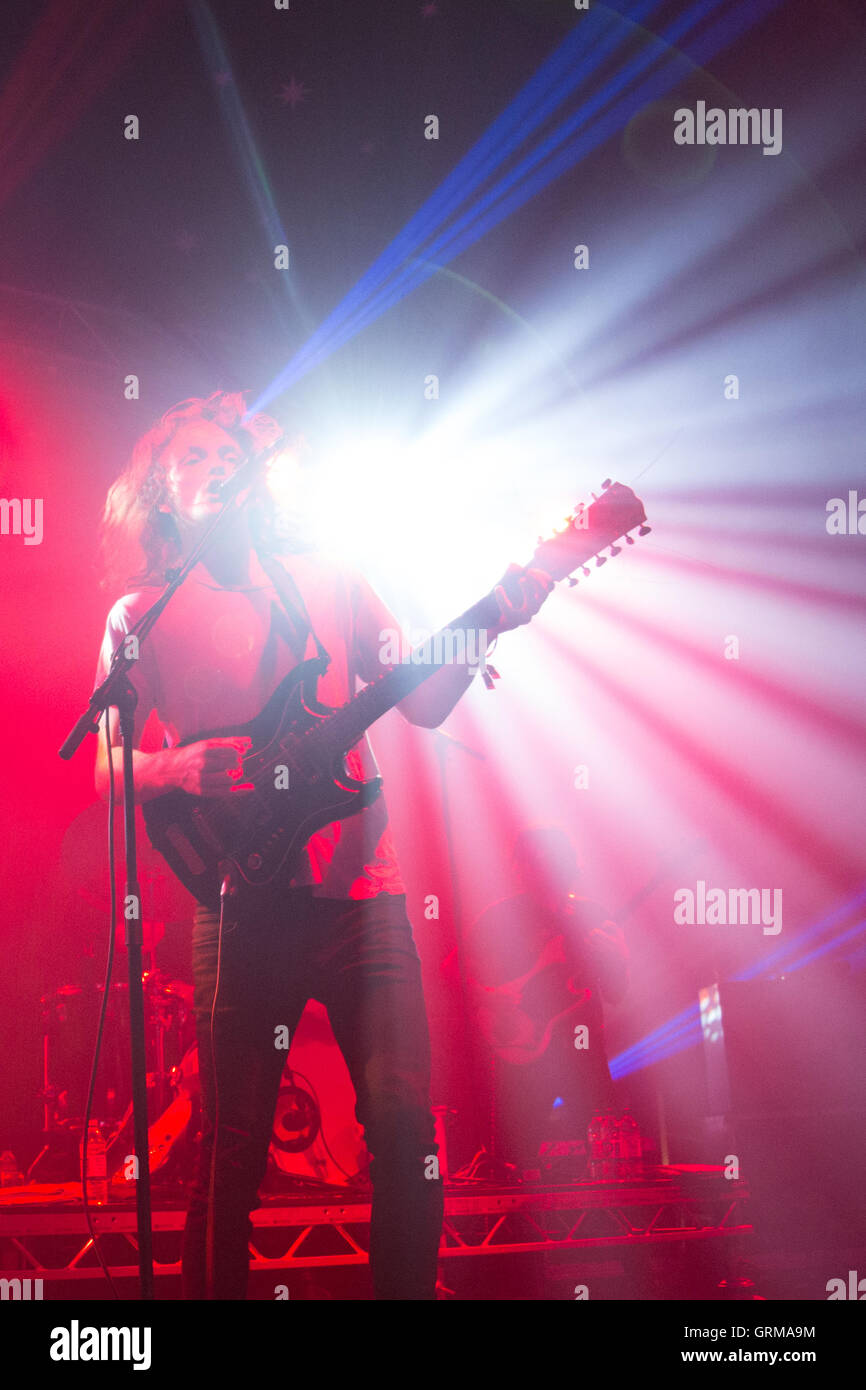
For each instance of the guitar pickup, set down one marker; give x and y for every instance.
(208, 835)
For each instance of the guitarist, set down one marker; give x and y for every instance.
(540, 962)
(338, 931)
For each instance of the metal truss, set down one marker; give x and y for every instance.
(53, 1244)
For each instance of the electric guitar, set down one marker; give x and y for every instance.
(515, 1034)
(518, 1033)
(295, 768)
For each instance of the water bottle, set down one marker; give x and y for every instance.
(595, 1136)
(9, 1175)
(610, 1148)
(97, 1165)
(631, 1145)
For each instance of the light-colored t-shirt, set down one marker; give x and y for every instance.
(215, 657)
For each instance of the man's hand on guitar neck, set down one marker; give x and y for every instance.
(519, 595)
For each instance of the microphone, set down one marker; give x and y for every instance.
(251, 470)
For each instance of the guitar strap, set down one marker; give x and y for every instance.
(300, 625)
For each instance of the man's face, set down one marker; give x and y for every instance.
(199, 458)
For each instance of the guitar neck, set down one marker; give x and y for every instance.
(609, 518)
(348, 723)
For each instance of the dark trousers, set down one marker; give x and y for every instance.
(360, 961)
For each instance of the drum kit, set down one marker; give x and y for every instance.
(305, 1147)
(70, 1016)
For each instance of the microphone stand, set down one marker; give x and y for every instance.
(117, 690)
(445, 742)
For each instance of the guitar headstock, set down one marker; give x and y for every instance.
(590, 529)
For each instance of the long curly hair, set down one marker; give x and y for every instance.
(139, 539)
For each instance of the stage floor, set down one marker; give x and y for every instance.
(43, 1232)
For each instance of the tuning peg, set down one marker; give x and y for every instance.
(572, 581)
(600, 561)
(586, 570)
(629, 540)
(605, 485)
(644, 530)
(614, 550)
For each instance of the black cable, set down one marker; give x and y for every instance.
(209, 1225)
(350, 1177)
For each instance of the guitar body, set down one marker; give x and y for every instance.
(518, 1037)
(299, 783)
